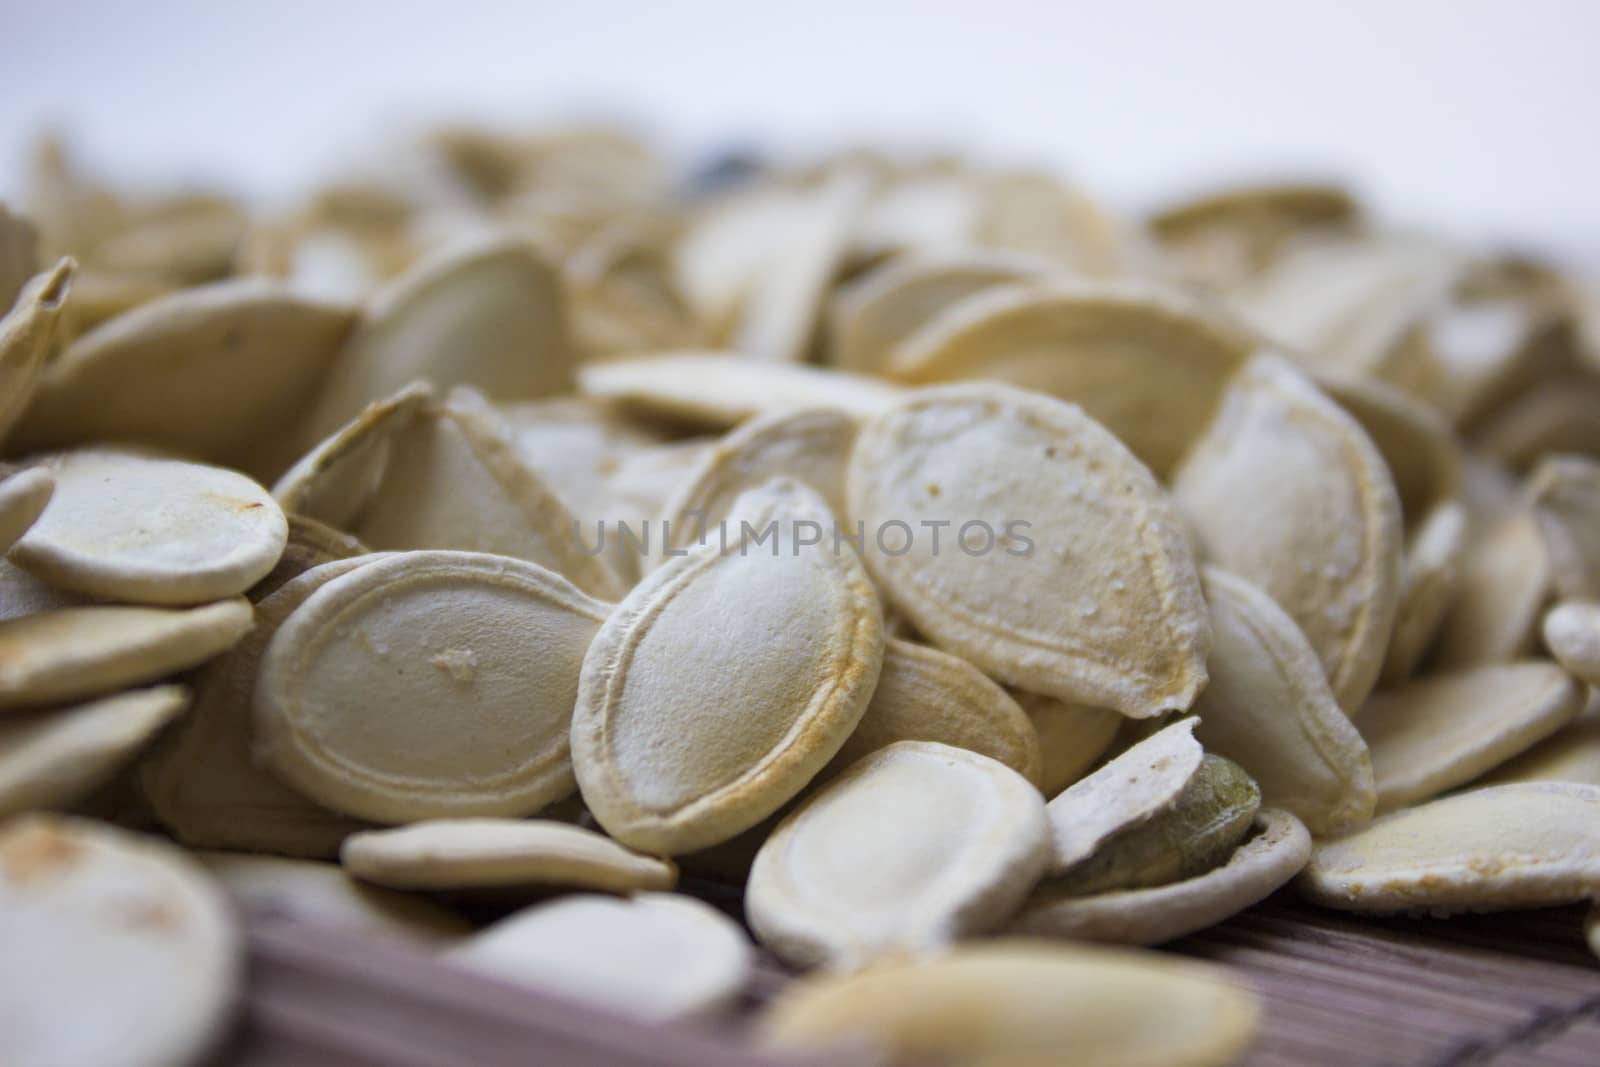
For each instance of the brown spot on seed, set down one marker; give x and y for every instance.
(36, 853)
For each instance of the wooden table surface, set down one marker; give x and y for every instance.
(1517, 989)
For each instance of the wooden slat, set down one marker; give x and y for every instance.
(1518, 990)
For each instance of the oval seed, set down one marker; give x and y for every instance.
(323, 893)
(412, 474)
(811, 446)
(1196, 833)
(1571, 754)
(203, 781)
(1521, 845)
(1430, 579)
(83, 652)
(23, 497)
(1147, 362)
(1025, 1003)
(27, 332)
(927, 695)
(725, 681)
(1446, 729)
(348, 702)
(1076, 547)
(133, 527)
(1268, 706)
(913, 847)
(1285, 490)
(1275, 851)
(873, 316)
(215, 372)
(1572, 633)
(1072, 738)
(654, 955)
(498, 853)
(50, 758)
(487, 315)
(1125, 793)
(96, 919)
(720, 389)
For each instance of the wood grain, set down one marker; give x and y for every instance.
(1517, 989)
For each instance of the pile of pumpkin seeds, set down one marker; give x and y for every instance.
(951, 570)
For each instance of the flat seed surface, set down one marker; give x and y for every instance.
(1269, 708)
(134, 527)
(54, 757)
(914, 846)
(1519, 845)
(1446, 729)
(1071, 547)
(215, 372)
(488, 853)
(1147, 362)
(82, 652)
(811, 446)
(653, 955)
(203, 781)
(1024, 1003)
(92, 916)
(725, 681)
(488, 314)
(347, 703)
(874, 315)
(927, 695)
(720, 389)
(1285, 490)
(1072, 738)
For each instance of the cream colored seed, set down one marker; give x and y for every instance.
(1019, 1003)
(1572, 633)
(914, 846)
(1268, 706)
(91, 915)
(1446, 729)
(203, 781)
(1046, 605)
(653, 955)
(725, 681)
(134, 527)
(50, 758)
(521, 854)
(927, 695)
(84, 652)
(1285, 490)
(1520, 845)
(349, 691)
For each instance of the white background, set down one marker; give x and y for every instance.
(1481, 117)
